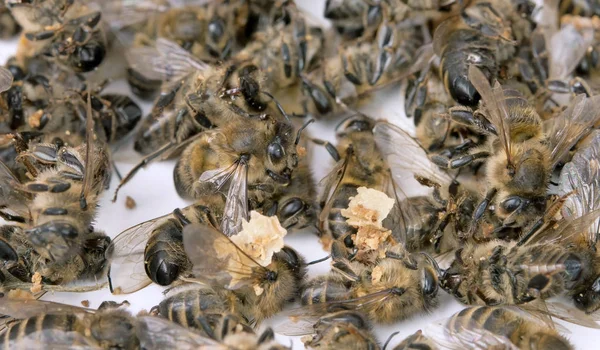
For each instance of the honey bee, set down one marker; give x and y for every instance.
(212, 96)
(580, 174)
(482, 35)
(153, 250)
(487, 327)
(579, 8)
(395, 288)
(365, 66)
(521, 152)
(8, 26)
(359, 163)
(22, 262)
(63, 326)
(157, 333)
(262, 290)
(67, 31)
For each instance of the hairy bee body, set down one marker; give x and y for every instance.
(8, 26)
(521, 330)
(499, 273)
(585, 8)
(108, 329)
(324, 289)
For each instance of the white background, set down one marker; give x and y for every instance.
(155, 195)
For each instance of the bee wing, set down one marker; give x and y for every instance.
(572, 315)
(25, 308)
(406, 157)
(441, 34)
(467, 336)
(119, 14)
(566, 129)
(236, 204)
(90, 155)
(360, 303)
(217, 259)
(565, 230)
(56, 339)
(6, 79)
(297, 328)
(167, 61)
(10, 194)
(329, 185)
(570, 47)
(158, 333)
(581, 178)
(494, 103)
(127, 273)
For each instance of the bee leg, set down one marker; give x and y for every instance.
(385, 40)
(266, 336)
(481, 209)
(10, 217)
(318, 96)
(352, 77)
(466, 116)
(458, 162)
(415, 96)
(333, 152)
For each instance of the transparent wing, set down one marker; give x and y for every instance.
(406, 158)
(567, 47)
(25, 308)
(217, 259)
(440, 35)
(468, 336)
(330, 184)
(167, 61)
(55, 339)
(126, 255)
(158, 333)
(494, 104)
(566, 129)
(297, 328)
(90, 155)
(6, 79)
(119, 14)
(10, 194)
(236, 205)
(565, 230)
(582, 175)
(573, 315)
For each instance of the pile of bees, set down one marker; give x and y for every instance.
(503, 98)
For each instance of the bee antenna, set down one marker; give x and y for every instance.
(433, 262)
(302, 129)
(319, 260)
(279, 106)
(387, 342)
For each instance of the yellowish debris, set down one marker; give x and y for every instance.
(36, 279)
(19, 294)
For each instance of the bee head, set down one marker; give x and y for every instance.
(354, 124)
(588, 299)
(281, 153)
(88, 56)
(517, 211)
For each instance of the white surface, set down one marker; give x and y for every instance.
(154, 192)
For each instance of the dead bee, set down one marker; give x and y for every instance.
(398, 286)
(262, 290)
(579, 8)
(359, 164)
(63, 29)
(153, 250)
(521, 152)
(482, 35)
(63, 326)
(361, 68)
(157, 333)
(22, 262)
(199, 97)
(8, 26)
(486, 327)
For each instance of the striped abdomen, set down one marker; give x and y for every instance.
(184, 308)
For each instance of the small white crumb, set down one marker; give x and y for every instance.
(260, 237)
(368, 207)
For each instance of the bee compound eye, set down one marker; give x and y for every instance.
(511, 204)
